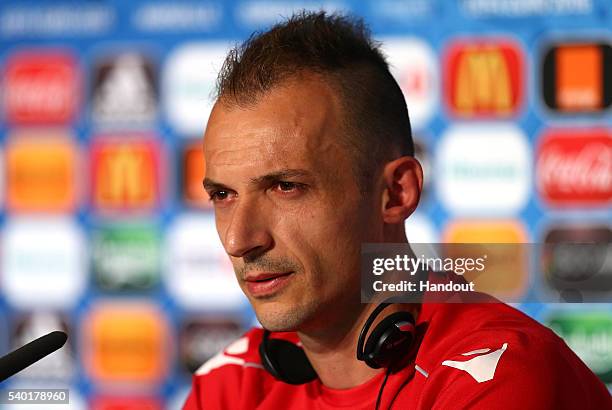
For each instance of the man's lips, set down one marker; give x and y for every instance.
(262, 284)
(261, 276)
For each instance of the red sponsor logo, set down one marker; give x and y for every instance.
(41, 88)
(575, 168)
(484, 78)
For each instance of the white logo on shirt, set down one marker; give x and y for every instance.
(481, 368)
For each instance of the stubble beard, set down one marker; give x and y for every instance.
(287, 317)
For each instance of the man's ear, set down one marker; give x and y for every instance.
(403, 178)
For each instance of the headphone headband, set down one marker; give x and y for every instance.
(366, 327)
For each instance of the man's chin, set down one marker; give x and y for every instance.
(277, 317)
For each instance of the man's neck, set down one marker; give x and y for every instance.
(333, 352)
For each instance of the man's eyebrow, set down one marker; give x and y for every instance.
(279, 175)
(209, 184)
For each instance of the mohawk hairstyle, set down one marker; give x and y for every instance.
(340, 49)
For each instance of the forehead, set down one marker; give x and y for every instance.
(295, 124)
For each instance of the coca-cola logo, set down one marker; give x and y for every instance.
(41, 88)
(575, 168)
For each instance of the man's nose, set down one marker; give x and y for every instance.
(247, 231)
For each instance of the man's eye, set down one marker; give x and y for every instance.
(286, 186)
(218, 195)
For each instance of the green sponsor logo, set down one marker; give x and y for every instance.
(479, 172)
(589, 335)
(126, 257)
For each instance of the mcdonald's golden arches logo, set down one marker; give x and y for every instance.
(125, 175)
(484, 79)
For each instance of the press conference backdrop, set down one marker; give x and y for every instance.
(106, 232)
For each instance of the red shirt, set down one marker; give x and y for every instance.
(472, 356)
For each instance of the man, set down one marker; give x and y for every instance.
(308, 155)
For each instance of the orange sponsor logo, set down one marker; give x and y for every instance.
(484, 232)
(126, 343)
(579, 81)
(193, 175)
(507, 258)
(41, 174)
(125, 403)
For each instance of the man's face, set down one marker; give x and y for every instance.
(287, 205)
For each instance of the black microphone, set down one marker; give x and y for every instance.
(19, 359)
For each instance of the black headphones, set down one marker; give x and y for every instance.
(387, 345)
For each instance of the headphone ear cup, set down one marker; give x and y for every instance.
(286, 361)
(390, 340)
